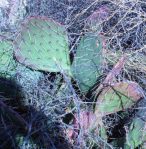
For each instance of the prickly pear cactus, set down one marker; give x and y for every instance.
(137, 133)
(87, 61)
(94, 21)
(85, 123)
(7, 63)
(118, 97)
(43, 45)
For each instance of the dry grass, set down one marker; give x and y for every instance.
(122, 31)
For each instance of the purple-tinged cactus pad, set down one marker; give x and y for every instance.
(118, 97)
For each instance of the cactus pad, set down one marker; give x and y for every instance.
(7, 63)
(94, 21)
(117, 97)
(43, 45)
(137, 133)
(87, 62)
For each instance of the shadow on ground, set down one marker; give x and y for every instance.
(18, 120)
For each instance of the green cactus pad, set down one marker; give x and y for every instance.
(43, 45)
(87, 62)
(7, 63)
(117, 97)
(137, 133)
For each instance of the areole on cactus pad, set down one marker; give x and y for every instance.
(43, 45)
(117, 97)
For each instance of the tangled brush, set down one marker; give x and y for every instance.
(72, 74)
